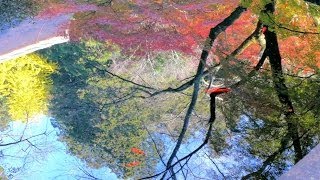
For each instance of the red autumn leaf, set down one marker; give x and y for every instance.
(264, 29)
(217, 90)
(133, 164)
(137, 151)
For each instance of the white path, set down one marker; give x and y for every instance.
(32, 35)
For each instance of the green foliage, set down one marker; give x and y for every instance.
(304, 93)
(315, 12)
(99, 113)
(246, 3)
(256, 5)
(122, 130)
(266, 125)
(99, 127)
(14, 11)
(160, 61)
(96, 51)
(97, 2)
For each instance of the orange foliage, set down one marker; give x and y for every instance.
(139, 26)
(153, 25)
(299, 50)
(317, 54)
(251, 53)
(133, 164)
(137, 151)
(294, 47)
(289, 14)
(236, 34)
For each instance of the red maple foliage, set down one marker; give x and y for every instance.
(143, 26)
(137, 151)
(56, 9)
(140, 27)
(133, 164)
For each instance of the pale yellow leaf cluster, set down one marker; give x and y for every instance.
(24, 85)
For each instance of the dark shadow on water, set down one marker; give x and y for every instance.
(66, 106)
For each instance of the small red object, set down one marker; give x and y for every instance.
(133, 164)
(217, 90)
(137, 151)
(264, 29)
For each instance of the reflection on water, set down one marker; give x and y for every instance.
(199, 165)
(97, 126)
(30, 148)
(101, 123)
(43, 156)
(203, 164)
(24, 85)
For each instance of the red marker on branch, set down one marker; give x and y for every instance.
(213, 93)
(217, 91)
(264, 29)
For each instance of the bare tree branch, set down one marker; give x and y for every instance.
(22, 140)
(284, 145)
(88, 175)
(224, 177)
(288, 29)
(214, 32)
(155, 145)
(206, 140)
(252, 72)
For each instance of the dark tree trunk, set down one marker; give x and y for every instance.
(314, 1)
(272, 51)
(282, 90)
(214, 32)
(212, 107)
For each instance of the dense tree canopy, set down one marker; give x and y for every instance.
(14, 11)
(100, 114)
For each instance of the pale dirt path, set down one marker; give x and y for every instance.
(30, 33)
